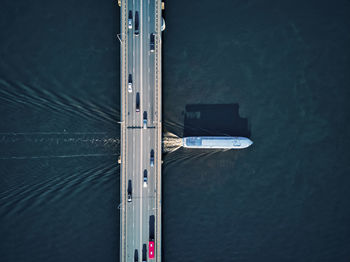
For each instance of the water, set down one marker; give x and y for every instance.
(283, 199)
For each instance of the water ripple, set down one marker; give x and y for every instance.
(16, 201)
(20, 93)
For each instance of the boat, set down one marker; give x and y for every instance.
(216, 142)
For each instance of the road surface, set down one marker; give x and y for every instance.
(141, 218)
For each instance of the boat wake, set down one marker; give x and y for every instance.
(171, 142)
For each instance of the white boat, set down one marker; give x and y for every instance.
(216, 142)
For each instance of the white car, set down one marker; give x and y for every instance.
(130, 84)
(145, 178)
(130, 20)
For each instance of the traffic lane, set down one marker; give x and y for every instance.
(145, 195)
(137, 136)
(146, 157)
(148, 98)
(127, 207)
(152, 62)
(130, 43)
(130, 227)
(132, 152)
(152, 91)
(136, 65)
(130, 205)
(136, 197)
(147, 88)
(151, 83)
(145, 31)
(142, 87)
(137, 85)
(151, 197)
(146, 107)
(153, 170)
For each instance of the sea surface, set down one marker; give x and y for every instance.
(283, 65)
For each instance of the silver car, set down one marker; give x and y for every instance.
(130, 84)
(144, 120)
(130, 20)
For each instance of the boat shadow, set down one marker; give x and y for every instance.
(214, 120)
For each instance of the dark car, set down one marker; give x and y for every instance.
(137, 23)
(152, 43)
(144, 253)
(129, 191)
(152, 158)
(137, 102)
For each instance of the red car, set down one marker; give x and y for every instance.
(151, 249)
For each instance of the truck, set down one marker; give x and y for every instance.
(151, 248)
(151, 237)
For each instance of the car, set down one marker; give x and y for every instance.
(136, 23)
(129, 191)
(151, 43)
(130, 83)
(136, 256)
(137, 102)
(144, 253)
(144, 120)
(130, 20)
(145, 178)
(152, 158)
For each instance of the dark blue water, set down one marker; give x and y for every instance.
(284, 65)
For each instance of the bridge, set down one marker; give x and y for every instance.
(141, 130)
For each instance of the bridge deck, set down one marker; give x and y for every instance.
(136, 217)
